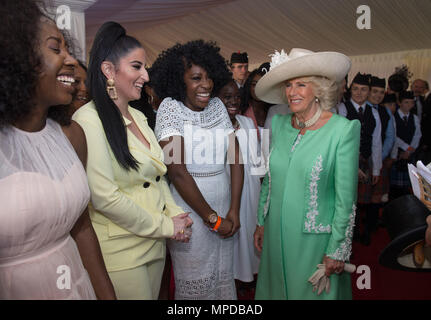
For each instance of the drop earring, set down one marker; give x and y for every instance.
(110, 88)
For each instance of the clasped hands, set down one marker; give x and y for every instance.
(182, 227)
(228, 226)
(363, 177)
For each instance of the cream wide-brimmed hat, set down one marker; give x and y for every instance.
(299, 63)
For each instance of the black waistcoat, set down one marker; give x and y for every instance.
(384, 119)
(368, 124)
(405, 131)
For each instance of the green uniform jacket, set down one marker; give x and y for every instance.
(307, 205)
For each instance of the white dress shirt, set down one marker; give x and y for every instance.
(394, 152)
(376, 146)
(239, 85)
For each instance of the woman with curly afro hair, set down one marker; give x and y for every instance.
(194, 129)
(48, 247)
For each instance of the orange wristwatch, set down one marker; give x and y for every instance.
(217, 225)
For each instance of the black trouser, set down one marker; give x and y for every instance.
(367, 217)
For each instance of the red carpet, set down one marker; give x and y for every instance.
(387, 284)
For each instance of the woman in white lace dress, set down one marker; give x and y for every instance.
(196, 133)
(48, 248)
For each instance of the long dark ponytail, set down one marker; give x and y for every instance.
(110, 44)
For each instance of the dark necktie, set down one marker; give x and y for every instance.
(405, 120)
(361, 114)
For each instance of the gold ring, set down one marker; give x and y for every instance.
(182, 231)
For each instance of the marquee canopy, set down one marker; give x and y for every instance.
(400, 29)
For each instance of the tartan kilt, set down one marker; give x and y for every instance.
(382, 186)
(365, 189)
(365, 192)
(399, 178)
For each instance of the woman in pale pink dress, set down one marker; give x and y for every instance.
(48, 248)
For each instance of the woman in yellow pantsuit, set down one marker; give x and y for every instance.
(131, 207)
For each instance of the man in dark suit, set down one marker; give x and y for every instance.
(422, 109)
(419, 88)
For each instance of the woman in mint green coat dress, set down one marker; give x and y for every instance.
(307, 203)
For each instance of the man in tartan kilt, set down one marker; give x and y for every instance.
(370, 157)
(406, 143)
(380, 191)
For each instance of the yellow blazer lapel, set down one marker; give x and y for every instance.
(155, 152)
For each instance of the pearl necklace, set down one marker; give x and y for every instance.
(309, 122)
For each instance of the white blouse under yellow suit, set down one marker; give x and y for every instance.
(130, 210)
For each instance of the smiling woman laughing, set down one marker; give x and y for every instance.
(132, 209)
(188, 77)
(44, 223)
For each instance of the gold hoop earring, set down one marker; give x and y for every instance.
(110, 88)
